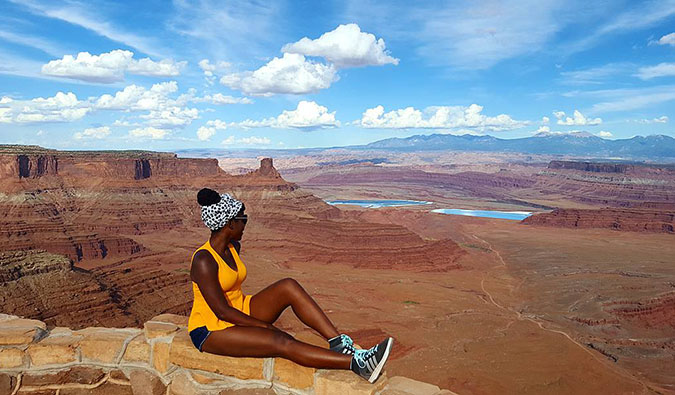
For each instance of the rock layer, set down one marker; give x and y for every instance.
(617, 219)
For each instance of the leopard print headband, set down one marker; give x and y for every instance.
(215, 216)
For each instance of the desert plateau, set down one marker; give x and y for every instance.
(578, 298)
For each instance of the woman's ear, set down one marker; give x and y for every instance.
(230, 224)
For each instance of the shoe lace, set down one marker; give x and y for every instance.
(360, 356)
(347, 342)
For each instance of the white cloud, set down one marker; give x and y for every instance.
(218, 124)
(604, 133)
(545, 120)
(346, 46)
(578, 120)
(210, 69)
(62, 107)
(660, 70)
(596, 75)
(308, 115)
(253, 140)
(290, 74)
(171, 118)
(93, 133)
(668, 39)
(205, 133)
(221, 99)
(148, 133)
(109, 67)
(437, 117)
(661, 119)
(138, 98)
(543, 129)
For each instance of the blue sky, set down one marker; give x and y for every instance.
(166, 75)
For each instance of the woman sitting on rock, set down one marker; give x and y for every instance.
(224, 321)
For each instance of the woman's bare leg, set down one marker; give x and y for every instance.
(248, 341)
(268, 304)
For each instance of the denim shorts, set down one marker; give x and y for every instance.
(198, 336)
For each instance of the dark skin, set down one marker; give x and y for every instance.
(255, 335)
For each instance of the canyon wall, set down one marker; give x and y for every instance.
(617, 219)
(160, 359)
(129, 222)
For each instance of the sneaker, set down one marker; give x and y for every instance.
(342, 344)
(368, 363)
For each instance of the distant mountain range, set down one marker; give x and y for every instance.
(576, 144)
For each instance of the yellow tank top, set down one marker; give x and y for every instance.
(230, 282)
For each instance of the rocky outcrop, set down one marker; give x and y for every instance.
(160, 359)
(135, 231)
(616, 219)
(591, 166)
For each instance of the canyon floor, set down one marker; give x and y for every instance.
(476, 305)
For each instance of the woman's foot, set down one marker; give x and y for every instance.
(342, 344)
(369, 363)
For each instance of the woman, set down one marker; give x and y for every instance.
(224, 321)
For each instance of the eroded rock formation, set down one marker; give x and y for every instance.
(109, 212)
(609, 218)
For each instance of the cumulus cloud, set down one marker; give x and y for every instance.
(62, 107)
(346, 46)
(604, 133)
(290, 74)
(545, 120)
(209, 130)
(221, 99)
(661, 119)
(109, 67)
(138, 98)
(668, 39)
(205, 133)
(660, 70)
(93, 133)
(578, 120)
(171, 118)
(148, 133)
(211, 69)
(307, 116)
(437, 117)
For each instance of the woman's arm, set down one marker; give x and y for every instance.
(204, 272)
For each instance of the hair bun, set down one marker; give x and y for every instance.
(207, 197)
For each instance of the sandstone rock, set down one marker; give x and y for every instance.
(76, 375)
(101, 344)
(202, 379)
(17, 330)
(38, 392)
(160, 356)
(119, 375)
(7, 383)
(104, 389)
(182, 385)
(175, 319)
(54, 350)
(138, 350)
(11, 358)
(292, 374)
(158, 329)
(405, 385)
(144, 382)
(446, 392)
(341, 382)
(248, 391)
(184, 354)
(61, 331)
